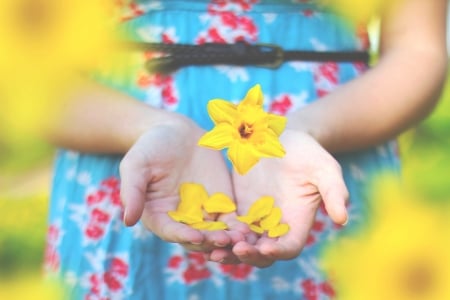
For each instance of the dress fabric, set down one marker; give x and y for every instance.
(97, 257)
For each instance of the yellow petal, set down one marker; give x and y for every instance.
(279, 230)
(256, 229)
(254, 96)
(222, 111)
(242, 156)
(192, 197)
(261, 207)
(246, 219)
(271, 147)
(219, 203)
(211, 225)
(219, 137)
(272, 220)
(277, 123)
(185, 218)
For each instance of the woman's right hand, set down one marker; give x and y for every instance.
(152, 171)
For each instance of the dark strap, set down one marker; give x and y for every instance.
(175, 56)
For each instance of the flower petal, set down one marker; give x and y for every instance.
(222, 111)
(272, 220)
(277, 123)
(192, 197)
(279, 230)
(261, 207)
(185, 218)
(254, 96)
(246, 219)
(219, 203)
(219, 137)
(211, 225)
(256, 228)
(271, 147)
(242, 156)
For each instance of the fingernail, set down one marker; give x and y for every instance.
(124, 219)
(346, 221)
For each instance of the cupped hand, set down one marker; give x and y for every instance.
(152, 171)
(299, 181)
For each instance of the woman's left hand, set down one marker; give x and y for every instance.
(298, 182)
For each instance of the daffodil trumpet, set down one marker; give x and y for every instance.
(245, 129)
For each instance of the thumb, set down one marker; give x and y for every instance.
(133, 187)
(335, 195)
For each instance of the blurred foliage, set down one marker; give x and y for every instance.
(22, 235)
(20, 154)
(425, 152)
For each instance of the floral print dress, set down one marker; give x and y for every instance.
(97, 257)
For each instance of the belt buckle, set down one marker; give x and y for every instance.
(278, 55)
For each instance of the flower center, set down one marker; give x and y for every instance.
(419, 279)
(34, 16)
(245, 131)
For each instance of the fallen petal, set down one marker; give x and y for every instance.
(272, 220)
(219, 203)
(261, 207)
(185, 218)
(210, 225)
(279, 230)
(256, 228)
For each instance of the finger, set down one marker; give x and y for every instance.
(133, 187)
(237, 231)
(300, 217)
(334, 194)
(249, 254)
(223, 256)
(171, 231)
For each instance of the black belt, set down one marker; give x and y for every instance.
(175, 56)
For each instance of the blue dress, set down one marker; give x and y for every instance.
(97, 257)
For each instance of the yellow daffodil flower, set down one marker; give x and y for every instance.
(195, 204)
(263, 216)
(45, 45)
(403, 254)
(245, 129)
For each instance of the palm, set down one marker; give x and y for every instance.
(152, 172)
(298, 182)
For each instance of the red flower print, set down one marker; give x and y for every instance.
(317, 228)
(312, 290)
(96, 197)
(193, 274)
(94, 231)
(175, 262)
(51, 259)
(308, 12)
(51, 256)
(119, 267)
(97, 215)
(111, 183)
(281, 105)
(111, 281)
(239, 272)
(108, 284)
(196, 269)
(326, 78)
